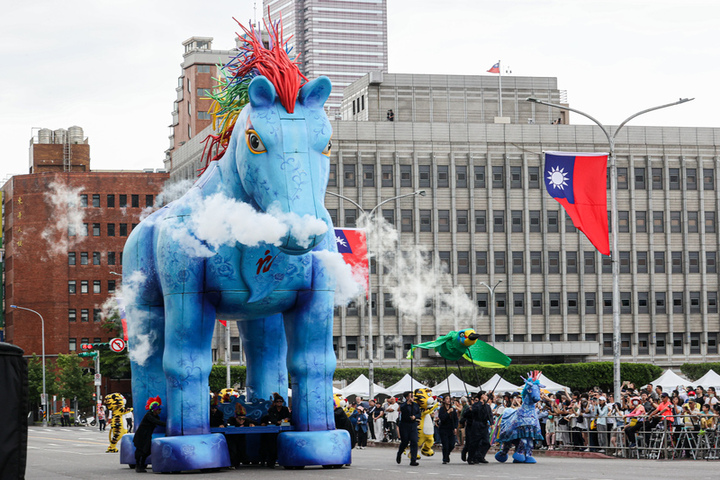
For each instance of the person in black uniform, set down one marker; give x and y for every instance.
(277, 413)
(467, 420)
(482, 418)
(143, 433)
(409, 418)
(448, 427)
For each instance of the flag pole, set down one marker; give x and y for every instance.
(500, 87)
(614, 220)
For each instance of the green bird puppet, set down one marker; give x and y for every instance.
(465, 344)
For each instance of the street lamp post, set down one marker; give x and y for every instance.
(492, 309)
(371, 369)
(613, 207)
(44, 391)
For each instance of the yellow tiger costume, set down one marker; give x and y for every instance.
(116, 405)
(426, 428)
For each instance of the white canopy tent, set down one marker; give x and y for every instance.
(670, 380)
(455, 386)
(405, 384)
(710, 379)
(550, 386)
(499, 385)
(335, 391)
(361, 386)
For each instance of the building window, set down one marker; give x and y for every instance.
(349, 175)
(462, 220)
(553, 262)
(517, 220)
(693, 262)
(708, 179)
(537, 305)
(479, 176)
(572, 303)
(677, 299)
(123, 230)
(677, 343)
(590, 307)
(554, 298)
(481, 263)
(96, 200)
(351, 347)
(660, 339)
(569, 226)
(625, 303)
(85, 317)
(552, 221)
(445, 265)
(388, 306)
(498, 221)
(84, 258)
(425, 179)
(83, 200)
(368, 175)
(710, 262)
(607, 303)
(692, 222)
(85, 230)
(674, 177)
(657, 179)
(642, 265)
(123, 201)
(535, 262)
(332, 175)
(660, 304)
(624, 262)
(676, 262)
(463, 262)
(204, 115)
(480, 221)
(111, 229)
(589, 262)
(111, 201)
(623, 221)
(658, 222)
(389, 216)
(533, 177)
(606, 264)
(387, 175)
(659, 262)
(72, 315)
(482, 303)
(389, 350)
(571, 262)
(72, 287)
(84, 286)
(712, 305)
(406, 175)
(499, 262)
(535, 221)
(675, 222)
(443, 220)
(72, 344)
(639, 178)
(350, 217)
(71, 258)
(640, 222)
(96, 258)
(406, 221)
(461, 176)
(111, 258)
(96, 286)
(695, 302)
(498, 177)
(691, 179)
(443, 176)
(622, 178)
(426, 220)
(111, 286)
(643, 302)
(516, 177)
(518, 305)
(500, 306)
(709, 222)
(517, 262)
(135, 201)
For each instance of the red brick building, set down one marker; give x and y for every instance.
(64, 229)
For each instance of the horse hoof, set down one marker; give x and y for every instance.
(331, 447)
(501, 457)
(518, 458)
(529, 459)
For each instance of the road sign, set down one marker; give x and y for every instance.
(98, 379)
(117, 344)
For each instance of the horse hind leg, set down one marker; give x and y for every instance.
(266, 357)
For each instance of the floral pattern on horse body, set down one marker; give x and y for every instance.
(520, 427)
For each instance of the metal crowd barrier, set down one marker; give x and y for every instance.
(655, 438)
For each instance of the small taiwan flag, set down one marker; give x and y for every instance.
(352, 245)
(495, 68)
(578, 182)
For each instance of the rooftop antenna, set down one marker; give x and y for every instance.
(255, 14)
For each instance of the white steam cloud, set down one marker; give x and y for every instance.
(68, 228)
(349, 285)
(140, 337)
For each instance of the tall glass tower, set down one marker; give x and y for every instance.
(342, 39)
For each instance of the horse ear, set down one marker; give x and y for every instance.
(314, 94)
(261, 92)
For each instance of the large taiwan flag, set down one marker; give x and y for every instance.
(578, 182)
(352, 244)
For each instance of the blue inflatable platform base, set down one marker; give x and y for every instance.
(189, 452)
(327, 448)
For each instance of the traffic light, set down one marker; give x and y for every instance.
(86, 346)
(87, 354)
(101, 346)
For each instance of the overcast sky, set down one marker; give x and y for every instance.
(111, 67)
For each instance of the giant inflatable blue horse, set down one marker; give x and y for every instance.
(280, 293)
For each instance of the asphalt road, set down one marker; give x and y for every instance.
(79, 453)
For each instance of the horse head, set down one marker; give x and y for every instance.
(531, 391)
(282, 158)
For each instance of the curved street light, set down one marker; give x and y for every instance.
(44, 393)
(371, 369)
(613, 207)
(492, 309)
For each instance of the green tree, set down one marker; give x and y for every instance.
(112, 364)
(35, 382)
(72, 382)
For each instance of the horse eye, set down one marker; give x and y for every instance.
(327, 148)
(254, 143)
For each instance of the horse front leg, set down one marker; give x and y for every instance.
(311, 364)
